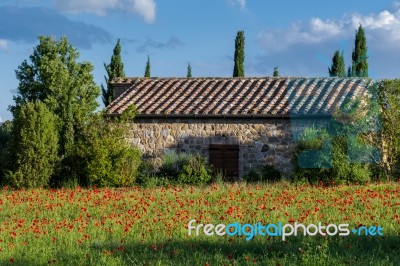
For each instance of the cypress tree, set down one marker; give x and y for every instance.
(189, 71)
(114, 69)
(349, 73)
(238, 69)
(276, 72)
(337, 68)
(147, 70)
(359, 55)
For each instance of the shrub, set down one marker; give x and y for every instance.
(267, 173)
(270, 173)
(252, 176)
(329, 161)
(33, 147)
(172, 165)
(195, 171)
(182, 168)
(112, 161)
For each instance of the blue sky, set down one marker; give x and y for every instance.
(298, 36)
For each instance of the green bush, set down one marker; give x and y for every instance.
(270, 173)
(148, 177)
(330, 162)
(267, 173)
(33, 147)
(172, 165)
(252, 176)
(195, 171)
(112, 161)
(182, 168)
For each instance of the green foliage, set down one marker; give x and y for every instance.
(195, 171)
(218, 177)
(189, 71)
(276, 72)
(91, 150)
(148, 68)
(238, 69)
(338, 68)
(112, 161)
(128, 114)
(34, 146)
(114, 69)
(5, 137)
(347, 148)
(389, 91)
(359, 55)
(268, 173)
(332, 165)
(65, 86)
(252, 175)
(147, 175)
(172, 165)
(182, 168)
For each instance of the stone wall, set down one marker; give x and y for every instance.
(261, 141)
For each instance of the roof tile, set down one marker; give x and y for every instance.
(236, 96)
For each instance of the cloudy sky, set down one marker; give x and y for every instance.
(299, 37)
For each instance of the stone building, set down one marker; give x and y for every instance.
(236, 123)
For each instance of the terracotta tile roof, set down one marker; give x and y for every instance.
(235, 96)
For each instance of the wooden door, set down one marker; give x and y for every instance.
(225, 158)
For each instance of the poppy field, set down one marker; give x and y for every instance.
(149, 226)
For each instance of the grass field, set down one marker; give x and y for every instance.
(139, 226)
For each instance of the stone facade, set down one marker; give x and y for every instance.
(261, 141)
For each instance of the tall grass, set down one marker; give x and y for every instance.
(148, 226)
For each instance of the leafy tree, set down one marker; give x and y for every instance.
(390, 139)
(189, 71)
(276, 72)
(67, 88)
(114, 69)
(238, 69)
(337, 68)
(359, 55)
(55, 78)
(147, 70)
(34, 146)
(345, 150)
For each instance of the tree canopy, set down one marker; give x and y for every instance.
(53, 76)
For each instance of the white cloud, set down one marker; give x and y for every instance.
(241, 3)
(3, 44)
(144, 8)
(382, 29)
(315, 31)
